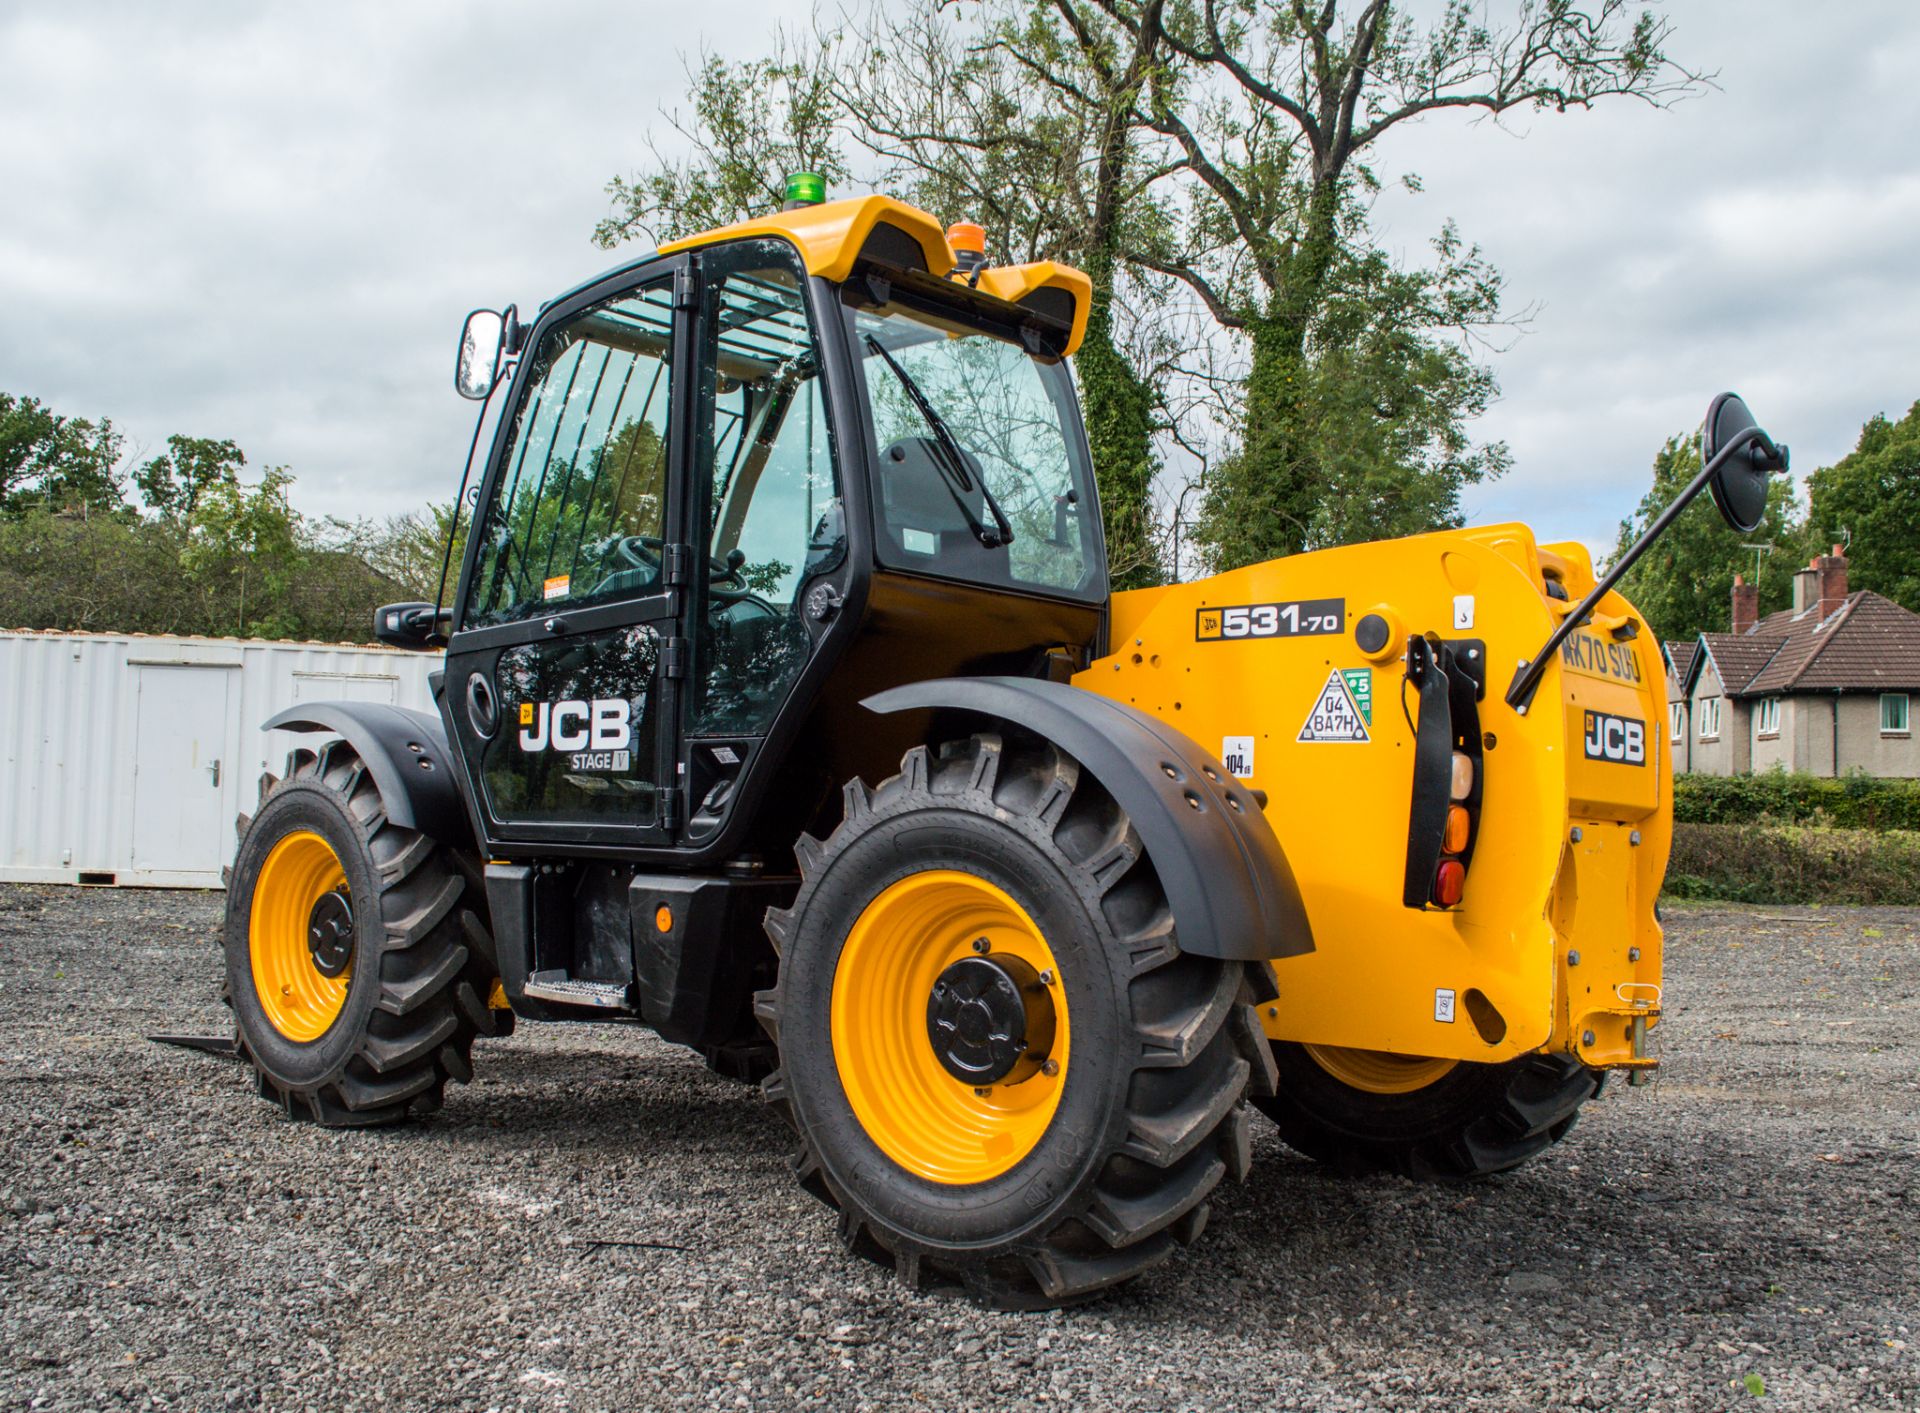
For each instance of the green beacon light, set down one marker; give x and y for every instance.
(805, 189)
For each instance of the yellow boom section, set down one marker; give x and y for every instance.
(1554, 944)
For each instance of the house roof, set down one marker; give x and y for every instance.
(1868, 644)
(1736, 657)
(1680, 658)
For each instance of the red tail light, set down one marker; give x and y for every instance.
(1449, 882)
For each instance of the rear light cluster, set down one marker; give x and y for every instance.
(1450, 878)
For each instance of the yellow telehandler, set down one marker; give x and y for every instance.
(786, 711)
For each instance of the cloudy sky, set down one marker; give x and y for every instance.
(266, 223)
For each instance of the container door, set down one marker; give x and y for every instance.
(180, 731)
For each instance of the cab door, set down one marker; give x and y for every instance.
(563, 669)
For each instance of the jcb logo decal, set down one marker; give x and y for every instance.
(1619, 739)
(603, 724)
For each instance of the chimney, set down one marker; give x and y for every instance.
(1832, 569)
(1746, 604)
(1806, 588)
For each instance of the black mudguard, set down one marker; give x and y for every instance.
(405, 751)
(1232, 892)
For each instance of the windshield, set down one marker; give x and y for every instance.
(936, 388)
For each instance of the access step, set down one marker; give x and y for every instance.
(558, 987)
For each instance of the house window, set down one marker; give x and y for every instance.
(1709, 718)
(1767, 719)
(1893, 714)
(1679, 713)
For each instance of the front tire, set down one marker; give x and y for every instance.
(355, 971)
(1104, 1104)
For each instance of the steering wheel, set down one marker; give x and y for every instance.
(640, 551)
(727, 587)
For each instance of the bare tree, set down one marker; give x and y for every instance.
(1272, 107)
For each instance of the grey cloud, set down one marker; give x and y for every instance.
(266, 223)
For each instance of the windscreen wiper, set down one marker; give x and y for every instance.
(961, 480)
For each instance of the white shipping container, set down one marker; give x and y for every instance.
(125, 759)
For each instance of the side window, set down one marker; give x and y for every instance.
(774, 515)
(576, 517)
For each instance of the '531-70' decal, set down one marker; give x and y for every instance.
(1297, 618)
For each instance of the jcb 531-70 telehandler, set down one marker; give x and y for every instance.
(786, 711)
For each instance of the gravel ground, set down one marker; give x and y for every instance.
(167, 1240)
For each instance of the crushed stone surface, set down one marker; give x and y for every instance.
(598, 1223)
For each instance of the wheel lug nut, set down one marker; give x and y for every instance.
(1050, 1068)
(981, 1093)
(1046, 978)
(980, 944)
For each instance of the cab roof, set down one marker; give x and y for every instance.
(832, 236)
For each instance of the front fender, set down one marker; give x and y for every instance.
(405, 751)
(1232, 892)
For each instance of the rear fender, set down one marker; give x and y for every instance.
(1232, 892)
(405, 751)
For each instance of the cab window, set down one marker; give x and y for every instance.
(981, 467)
(577, 514)
(774, 519)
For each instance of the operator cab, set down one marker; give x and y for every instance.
(813, 441)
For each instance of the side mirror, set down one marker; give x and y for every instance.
(409, 625)
(482, 342)
(1739, 486)
(1736, 457)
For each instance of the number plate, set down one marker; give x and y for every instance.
(1593, 656)
(1298, 618)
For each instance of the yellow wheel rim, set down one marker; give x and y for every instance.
(1379, 1071)
(299, 999)
(922, 1117)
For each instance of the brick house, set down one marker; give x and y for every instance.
(1824, 687)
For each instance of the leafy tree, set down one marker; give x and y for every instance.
(1684, 583)
(59, 462)
(1272, 108)
(215, 556)
(753, 123)
(960, 122)
(243, 550)
(1224, 146)
(174, 484)
(409, 550)
(1871, 499)
(1028, 125)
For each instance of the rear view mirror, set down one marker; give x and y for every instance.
(1739, 486)
(482, 342)
(409, 625)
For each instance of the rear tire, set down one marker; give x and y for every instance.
(411, 965)
(1096, 1173)
(1470, 1122)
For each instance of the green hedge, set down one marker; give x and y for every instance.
(1773, 863)
(1775, 797)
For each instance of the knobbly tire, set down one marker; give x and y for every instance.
(1156, 1049)
(1471, 1122)
(411, 957)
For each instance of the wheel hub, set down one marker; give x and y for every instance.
(330, 932)
(990, 1018)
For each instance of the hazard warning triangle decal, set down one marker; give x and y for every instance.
(1343, 709)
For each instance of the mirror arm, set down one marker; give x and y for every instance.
(459, 501)
(1526, 678)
